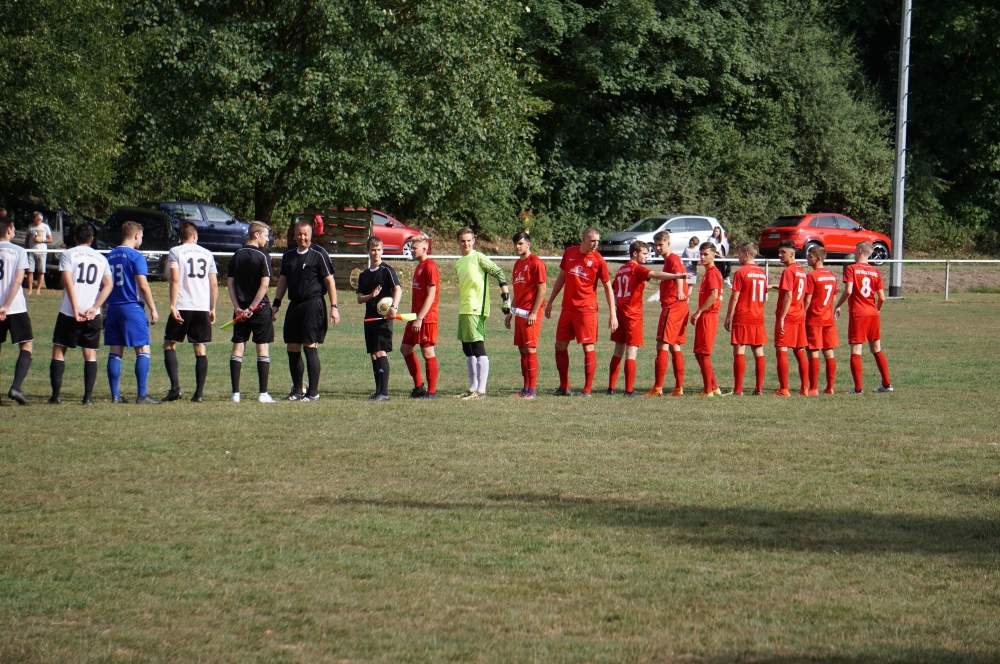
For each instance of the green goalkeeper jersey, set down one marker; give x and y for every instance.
(473, 289)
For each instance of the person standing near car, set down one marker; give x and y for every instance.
(38, 237)
(724, 267)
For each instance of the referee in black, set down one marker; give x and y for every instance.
(307, 274)
(376, 282)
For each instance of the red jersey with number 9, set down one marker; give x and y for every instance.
(867, 281)
(822, 285)
(793, 285)
(628, 286)
(751, 283)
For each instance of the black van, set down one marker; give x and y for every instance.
(157, 235)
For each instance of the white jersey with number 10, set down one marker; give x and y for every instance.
(87, 269)
(194, 263)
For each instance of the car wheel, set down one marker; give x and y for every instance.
(408, 249)
(809, 245)
(880, 253)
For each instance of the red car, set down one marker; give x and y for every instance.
(395, 235)
(838, 234)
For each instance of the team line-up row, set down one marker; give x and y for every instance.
(806, 314)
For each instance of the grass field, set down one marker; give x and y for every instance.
(832, 529)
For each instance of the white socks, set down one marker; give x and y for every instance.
(484, 373)
(472, 366)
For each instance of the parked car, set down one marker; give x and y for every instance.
(838, 234)
(395, 235)
(158, 234)
(682, 228)
(218, 230)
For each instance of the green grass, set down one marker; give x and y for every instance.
(834, 529)
(991, 290)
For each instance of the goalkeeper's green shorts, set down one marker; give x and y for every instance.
(471, 327)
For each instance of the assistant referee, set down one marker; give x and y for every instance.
(306, 273)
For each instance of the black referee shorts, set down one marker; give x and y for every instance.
(70, 332)
(19, 326)
(197, 327)
(306, 322)
(259, 326)
(378, 336)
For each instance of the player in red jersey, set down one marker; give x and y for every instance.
(580, 271)
(671, 331)
(529, 297)
(865, 295)
(790, 320)
(821, 328)
(706, 319)
(745, 318)
(423, 331)
(628, 287)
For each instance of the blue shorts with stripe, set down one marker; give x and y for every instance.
(126, 326)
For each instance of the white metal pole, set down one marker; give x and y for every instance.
(899, 181)
(947, 279)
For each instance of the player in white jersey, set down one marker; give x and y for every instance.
(87, 283)
(194, 288)
(13, 307)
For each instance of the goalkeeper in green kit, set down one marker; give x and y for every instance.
(474, 308)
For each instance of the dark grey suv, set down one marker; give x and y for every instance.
(218, 230)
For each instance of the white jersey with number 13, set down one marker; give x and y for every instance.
(194, 263)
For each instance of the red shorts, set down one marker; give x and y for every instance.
(822, 337)
(794, 336)
(672, 328)
(748, 335)
(629, 332)
(704, 333)
(862, 329)
(578, 325)
(526, 336)
(428, 335)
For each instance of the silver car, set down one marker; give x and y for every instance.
(682, 228)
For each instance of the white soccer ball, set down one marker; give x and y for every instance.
(383, 306)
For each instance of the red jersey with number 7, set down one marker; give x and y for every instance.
(867, 281)
(751, 283)
(822, 285)
(793, 285)
(628, 286)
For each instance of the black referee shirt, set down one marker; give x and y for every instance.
(247, 267)
(383, 276)
(306, 273)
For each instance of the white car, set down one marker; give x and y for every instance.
(682, 228)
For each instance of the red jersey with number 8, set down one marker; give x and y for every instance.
(867, 281)
(751, 283)
(822, 285)
(628, 287)
(793, 285)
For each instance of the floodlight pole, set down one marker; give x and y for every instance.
(899, 180)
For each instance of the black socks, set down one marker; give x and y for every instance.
(297, 368)
(200, 374)
(235, 369)
(173, 369)
(89, 378)
(263, 372)
(312, 364)
(383, 368)
(56, 369)
(21, 369)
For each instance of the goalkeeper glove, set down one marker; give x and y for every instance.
(505, 304)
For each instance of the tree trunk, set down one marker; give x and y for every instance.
(263, 203)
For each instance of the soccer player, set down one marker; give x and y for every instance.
(13, 307)
(307, 275)
(423, 331)
(821, 328)
(474, 308)
(38, 236)
(87, 284)
(247, 279)
(580, 271)
(372, 283)
(628, 287)
(194, 289)
(126, 324)
(790, 320)
(706, 319)
(745, 318)
(671, 331)
(529, 281)
(865, 295)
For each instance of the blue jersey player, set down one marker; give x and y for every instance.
(126, 324)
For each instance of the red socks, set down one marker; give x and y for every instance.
(629, 375)
(432, 374)
(883, 367)
(678, 369)
(613, 372)
(739, 367)
(761, 365)
(707, 372)
(803, 362)
(562, 365)
(856, 371)
(660, 368)
(813, 374)
(831, 373)
(413, 366)
(589, 369)
(782, 357)
(524, 369)
(532, 370)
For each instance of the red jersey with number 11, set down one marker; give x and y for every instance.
(628, 286)
(867, 281)
(822, 285)
(751, 283)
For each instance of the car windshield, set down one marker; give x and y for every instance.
(787, 221)
(647, 225)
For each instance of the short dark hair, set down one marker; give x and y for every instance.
(707, 246)
(523, 235)
(5, 224)
(83, 233)
(637, 247)
(818, 251)
(373, 241)
(186, 230)
(786, 244)
(465, 231)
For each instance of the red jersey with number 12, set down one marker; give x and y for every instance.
(751, 283)
(528, 273)
(669, 289)
(793, 285)
(822, 285)
(628, 287)
(583, 272)
(425, 276)
(867, 281)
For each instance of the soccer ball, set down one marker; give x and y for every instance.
(383, 306)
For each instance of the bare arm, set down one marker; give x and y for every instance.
(609, 295)
(11, 294)
(67, 277)
(147, 296)
(107, 283)
(213, 288)
(734, 297)
(848, 289)
(364, 298)
(424, 310)
(713, 295)
(879, 299)
(666, 276)
(556, 288)
(539, 298)
(786, 303)
(175, 286)
(331, 290)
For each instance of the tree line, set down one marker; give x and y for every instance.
(467, 112)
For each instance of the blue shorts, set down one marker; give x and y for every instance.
(126, 326)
